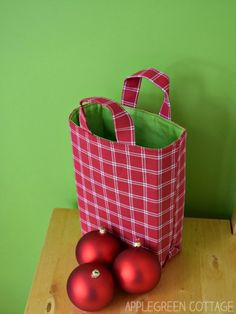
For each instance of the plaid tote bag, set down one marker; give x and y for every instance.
(130, 167)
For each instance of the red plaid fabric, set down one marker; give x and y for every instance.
(132, 86)
(124, 127)
(135, 192)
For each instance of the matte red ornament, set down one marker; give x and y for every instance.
(137, 270)
(90, 287)
(98, 246)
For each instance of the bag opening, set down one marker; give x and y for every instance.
(151, 130)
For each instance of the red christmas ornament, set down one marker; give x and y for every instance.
(90, 286)
(137, 270)
(97, 246)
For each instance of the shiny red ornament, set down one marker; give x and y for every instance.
(98, 246)
(137, 270)
(90, 286)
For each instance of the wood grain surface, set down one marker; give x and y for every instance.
(205, 270)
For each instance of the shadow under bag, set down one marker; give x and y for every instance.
(130, 168)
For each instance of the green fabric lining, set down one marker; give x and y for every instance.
(151, 130)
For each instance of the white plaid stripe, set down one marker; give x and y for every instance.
(151, 186)
(128, 194)
(180, 183)
(92, 179)
(136, 235)
(159, 180)
(173, 201)
(84, 193)
(152, 155)
(131, 196)
(116, 191)
(145, 198)
(104, 190)
(126, 218)
(158, 215)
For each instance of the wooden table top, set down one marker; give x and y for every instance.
(205, 270)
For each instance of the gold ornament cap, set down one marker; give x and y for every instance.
(95, 273)
(102, 230)
(137, 243)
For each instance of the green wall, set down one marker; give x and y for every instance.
(52, 53)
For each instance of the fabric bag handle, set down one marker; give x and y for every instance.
(132, 85)
(123, 123)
